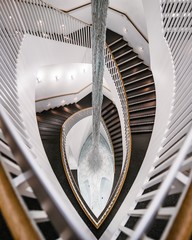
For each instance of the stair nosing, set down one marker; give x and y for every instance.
(140, 94)
(142, 124)
(116, 49)
(127, 60)
(139, 102)
(121, 71)
(142, 116)
(141, 109)
(142, 70)
(145, 85)
(137, 80)
(123, 54)
(111, 44)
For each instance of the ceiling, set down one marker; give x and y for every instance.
(133, 9)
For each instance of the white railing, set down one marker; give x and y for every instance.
(171, 171)
(19, 18)
(33, 174)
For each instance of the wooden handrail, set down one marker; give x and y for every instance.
(14, 211)
(182, 226)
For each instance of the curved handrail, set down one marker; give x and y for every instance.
(66, 127)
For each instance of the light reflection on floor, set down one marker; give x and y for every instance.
(96, 187)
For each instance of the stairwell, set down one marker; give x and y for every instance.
(140, 91)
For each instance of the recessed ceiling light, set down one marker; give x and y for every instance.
(125, 30)
(38, 80)
(140, 49)
(10, 17)
(75, 99)
(49, 104)
(63, 101)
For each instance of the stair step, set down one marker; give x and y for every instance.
(139, 82)
(146, 85)
(107, 109)
(115, 132)
(134, 70)
(142, 105)
(113, 122)
(118, 140)
(111, 112)
(114, 127)
(126, 58)
(118, 154)
(141, 101)
(141, 120)
(118, 45)
(121, 52)
(139, 94)
(116, 136)
(140, 131)
(143, 114)
(106, 102)
(111, 118)
(163, 213)
(138, 77)
(129, 64)
(117, 40)
(117, 146)
(141, 109)
(112, 37)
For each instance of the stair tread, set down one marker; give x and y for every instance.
(129, 64)
(134, 70)
(122, 51)
(118, 45)
(126, 57)
(112, 36)
(136, 77)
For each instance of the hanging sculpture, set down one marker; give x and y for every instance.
(99, 15)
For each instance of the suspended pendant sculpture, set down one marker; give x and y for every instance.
(91, 171)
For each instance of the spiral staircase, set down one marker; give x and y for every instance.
(157, 188)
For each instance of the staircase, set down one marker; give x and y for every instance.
(138, 82)
(140, 91)
(176, 17)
